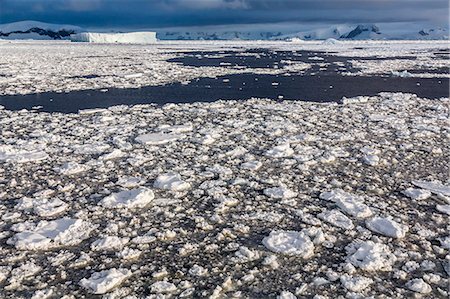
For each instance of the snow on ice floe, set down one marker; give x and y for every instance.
(172, 182)
(280, 193)
(134, 198)
(44, 207)
(336, 218)
(355, 283)
(176, 245)
(280, 151)
(349, 203)
(14, 155)
(71, 168)
(157, 138)
(417, 194)
(289, 243)
(371, 256)
(419, 286)
(387, 227)
(51, 234)
(435, 187)
(104, 281)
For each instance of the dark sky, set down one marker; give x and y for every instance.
(173, 13)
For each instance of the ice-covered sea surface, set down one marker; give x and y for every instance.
(256, 198)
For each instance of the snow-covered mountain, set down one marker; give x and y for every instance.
(364, 32)
(39, 30)
(217, 35)
(36, 30)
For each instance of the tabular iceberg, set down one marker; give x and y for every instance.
(122, 38)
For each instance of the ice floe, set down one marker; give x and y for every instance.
(134, 198)
(104, 281)
(387, 227)
(289, 243)
(51, 234)
(171, 181)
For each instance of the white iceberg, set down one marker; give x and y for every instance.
(121, 38)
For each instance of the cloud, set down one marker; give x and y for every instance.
(170, 13)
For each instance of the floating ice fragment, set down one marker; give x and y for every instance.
(104, 281)
(286, 295)
(349, 203)
(371, 160)
(157, 138)
(289, 243)
(172, 182)
(163, 287)
(130, 182)
(10, 154)
(443, 209)
(419, 286)
(435, 187)
(135, 198)
(109, 243)
(417, 194)
(251, 165)
(336, 218)
(115, 154)
(279, 193)
(370, 256)
(71, 168)
(387, 227)
(51, 234)
(355, 283)
(280, 151)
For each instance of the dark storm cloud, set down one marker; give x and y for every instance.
(162, 13)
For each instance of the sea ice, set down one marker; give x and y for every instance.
(370, 256)
(355, 284)
(280, 193)
(419, 286)
(109, 243)
(71, 168)
(417, 194)
(51, 234)
(135, 198)
(157, 138)
(435, 187)
(280, 151)
(289, 243)
(387, 227)
(336, 218)
(104, 281)
(349, 203)
(172, 182)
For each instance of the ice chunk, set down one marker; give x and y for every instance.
(104, 281)
(387, 227)
(172, 182)
(371, 160)
(280, 151)
(13, 155)
(336, 218)
(435, 187)
(280, 193)
(163, 287)
(419, 286)
(109, 243)
(349, 203)
(115, 154)
(135, 198)
(122, 38)
(286, 295)
(51, 234)
(71, 168)
(251, 165)
(443, 209)
(417, 194)
(355, 283)
(289, 243)
(157, 138)
(370, 256)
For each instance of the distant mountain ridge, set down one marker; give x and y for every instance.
(37, 30)
(40, 30)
